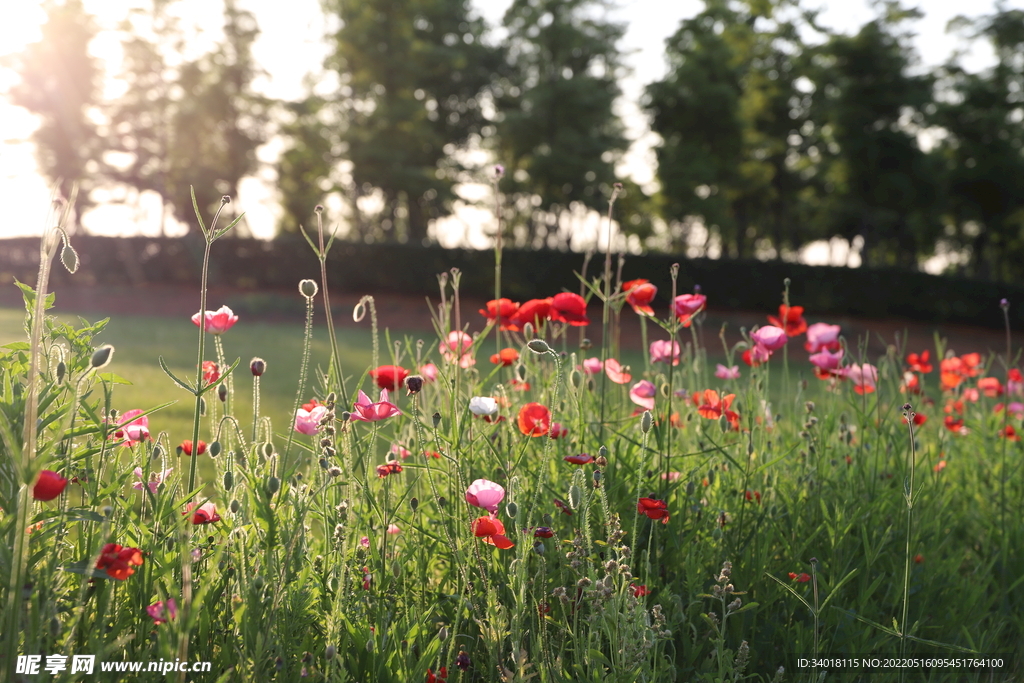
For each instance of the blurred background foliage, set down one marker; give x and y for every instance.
(773, 131)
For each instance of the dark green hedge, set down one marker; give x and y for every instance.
(362, 268)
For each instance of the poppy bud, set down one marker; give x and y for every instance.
(229, 480)
(538, 547)
(723, 422)
(413, 384)
(158, 451)
(202, 406)
(576, 379)
(101, 356)
(597, 478)
(61, 371)
(222, 392)
(235, 506)
(575, 496)
(308, 288)
(324, 464)
(268, 449)
(586, 344)
(511, 510)
(528, 330)
(214, 449)
(414, 503)
(437, 420)
(345, 416)
(538, 346)
(273, 485)
(333, 472)
(1004, 304)
(442, 633)
(646, 420)
(601, 461)
(258, 366)
(330, 652)
(521, 372)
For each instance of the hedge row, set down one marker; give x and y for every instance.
(362, 268)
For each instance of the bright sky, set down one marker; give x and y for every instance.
(290, 46)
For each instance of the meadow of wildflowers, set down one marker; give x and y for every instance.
(508, 502)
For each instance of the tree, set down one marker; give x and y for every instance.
(305, 167)
(984, 150)
(58, 83)
(728, 113)
(867, 111)
(557, 132)
(412, 77)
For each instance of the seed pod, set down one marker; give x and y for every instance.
(229, 480)
(273, 485)
(414, 503)
(413, 384)
(330, 652)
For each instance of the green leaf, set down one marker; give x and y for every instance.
(68, 255)
(184, 385)
(228, 227)
(792, 592)
(112, 378)
(195, 207)
(17, 346)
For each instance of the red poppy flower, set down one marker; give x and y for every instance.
(971, 363)
(119, 561)
(753, 495)
(955, 425)
(543, 532)
(49, 485)
(654, 509)
(919, 419)
(581, 459)
(563, 507)
(390, 377)
(919, 362)
(910, 383)
(639, 295)
(432, 454)
(569, 308)
(793, 316)
(211, 372)
(799, 578)
(990, 386)
(534, 419)
(534, 311)
(442, 675)
(503, 311)
(1009, 433)
(186, 447)
(390, 467)
(712, 407)
(639, 591)
(505, 357)
(749, 359)
(203, 514)
(313, 403)
(491, 530)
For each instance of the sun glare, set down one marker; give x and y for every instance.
(20, 25)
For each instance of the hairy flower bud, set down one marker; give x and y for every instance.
(101, 356)
(308, 288)
(538, 346)
(258, 366)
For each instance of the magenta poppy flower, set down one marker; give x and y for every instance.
(485, 494)
(822, 336)
(428, 371)
(642, 393)
(687, 305)
(770, 337)
(131, 428)
(616, 372)
(591, 366)
(864, 377)
(663, 351)
(306, 421)
(722, 372)
(456, 348)
(162, 612)
(367, 411)
(393, 529)
(156, 478)
(216, 322)
(826, 360)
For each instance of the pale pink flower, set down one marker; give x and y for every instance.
(671, 476)
(156, 478)
(642, 393)
(722, 372)
(393, 529)
(457, 347)
(162, 612)
(616, 372)
(591, 366)
(485, 494)
(971, 395)
(826, 360)
(664, 351)
(864, 377)
(365, 541)
(216, 322)
(401, 451)
(306, 421)
(770, 337)
(373, 412)
(1016, 408)
(821, 336)
(759, 354)
(428, 371)
(483, 405)
(131, 428)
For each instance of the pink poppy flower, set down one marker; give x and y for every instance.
(393, 529)
(642, 393)
(591, 366)
(156, 478)
(770, 337)
(864, 377)
(131, 428)
(722, 372)
(558, 430)
(162, 612)
(367, 411)
(400, 450)
(485, 494)
(204, 514)
(822, 336)
(428, 371)
(664, 351)
(306, 421)
(827, 361)
(687, 305)
(365, 541)
(457, 347)
(616, 372)
(216, 322)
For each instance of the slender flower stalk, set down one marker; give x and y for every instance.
(908, 494)
(321, 254)
(308, 290)
(606, 308)
(499, 172)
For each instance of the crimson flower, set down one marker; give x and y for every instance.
(990, 387)
(919, 362)
(49, 485)
(534, 420)
(919, 419)
(211, 372)
(501, 310)
(753, 495)
(204, 514)
(491, 530)
(654, 509)
(186, 446)
(639, 295)
(799, 578)
(119, 561)
(374, 412)
(462, 661)
(543, 532)
(505, 357)
(569, 308)
(1009, 433)
(563, 507)
(557, 431)
(534, 311)
(581, 459)
(162, 612)
(686, 306)
(791, 319)
(955, 425)
(390, 467)
(389, 377)
(639, 591)
(442, 675)
(216, 322)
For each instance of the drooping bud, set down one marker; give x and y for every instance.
(273, 485)
(101, 356)
(538, 346)
(512, 510)
(62, 369)
(214, 449)
(308, 288)
(222, 392)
